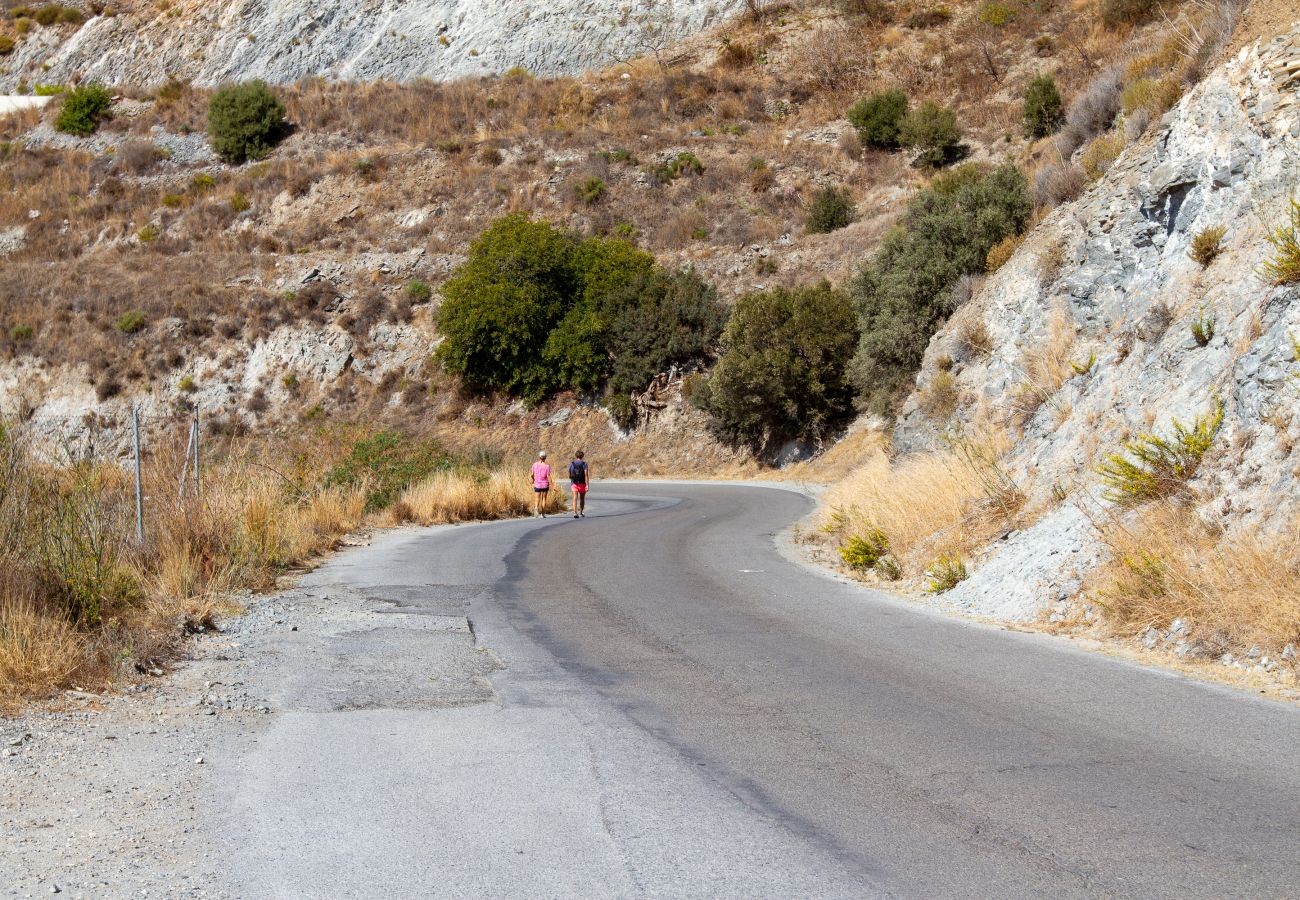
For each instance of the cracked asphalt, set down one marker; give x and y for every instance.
(660, 700)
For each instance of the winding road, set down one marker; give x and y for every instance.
(658, 700)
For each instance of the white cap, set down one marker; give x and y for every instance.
(541, 454)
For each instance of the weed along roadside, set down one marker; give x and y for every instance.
(85, 603)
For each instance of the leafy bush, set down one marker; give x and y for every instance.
(906, 290)
(6, 45)
(1207, 244)
(830, 210)
(1115, 13)
(864, 551)
(877, 118)
(386, 462)
(946, 573)
(1159, 467)
(1044, 112)
(83, 109)
(995, 14)
(245, 121)
(1283, 264)
(21, 333)
(931, 129)
(782, 373)
(131, 321)
(535, 310)
(418, 291)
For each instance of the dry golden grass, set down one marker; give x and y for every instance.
(927, 504)
(39, 653)
(459, 496)
(1234, 591)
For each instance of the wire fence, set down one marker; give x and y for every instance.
(90, 439)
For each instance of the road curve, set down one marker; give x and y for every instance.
(672, 707)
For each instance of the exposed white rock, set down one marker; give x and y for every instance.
(1228, 154)
(380, 39)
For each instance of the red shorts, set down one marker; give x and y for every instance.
(579, 488)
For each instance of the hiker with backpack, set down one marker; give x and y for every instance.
(579, 477)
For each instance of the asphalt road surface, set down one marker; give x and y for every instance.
(657, 701)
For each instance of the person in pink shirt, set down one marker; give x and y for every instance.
(541, 484)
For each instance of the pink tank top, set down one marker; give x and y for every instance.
(541, 474)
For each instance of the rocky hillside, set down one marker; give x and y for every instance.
(1156, 314)
(145, 43)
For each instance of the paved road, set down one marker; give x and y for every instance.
(655, 701)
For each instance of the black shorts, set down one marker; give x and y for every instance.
(538, 490)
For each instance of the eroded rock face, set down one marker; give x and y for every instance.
(398, 40)
(1107, 282)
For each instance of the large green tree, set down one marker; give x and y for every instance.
(782, 374)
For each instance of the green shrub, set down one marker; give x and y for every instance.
(131, 321)
(239, 203)
(877, 118)
(1207, 244)
(995, 14)
(1044, 112)
(590, 190)
(905, 292)
(1115, 13)
(147, 232)
(83, 109)
(618, 155)
(535, 310)
(864, 551)
(782, 373)
(387, 462)
(684, 163)
(830, 210)
(1283, 264)
(202, 182)
(245, 121)
(946, 573)
(186, 385)
(1157, 467)
(21, 333)
(932, 130)
(1203, 327)
(6, 45)
(49, 90)
(418, 291)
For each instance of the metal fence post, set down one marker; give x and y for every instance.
(139, 493)
(197, 486)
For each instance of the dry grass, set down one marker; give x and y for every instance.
(1044, 367)
(1234, 591)
(80, 599)
(459, 496)
(928, 505)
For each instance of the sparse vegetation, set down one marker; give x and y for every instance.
(1283, 265)
(1203, 326)
(131, 321)
(1207, 244)
(1152, 467)
(864, 551)
(83, 109)
(830, 210)
(945, 573)
(245, 121)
